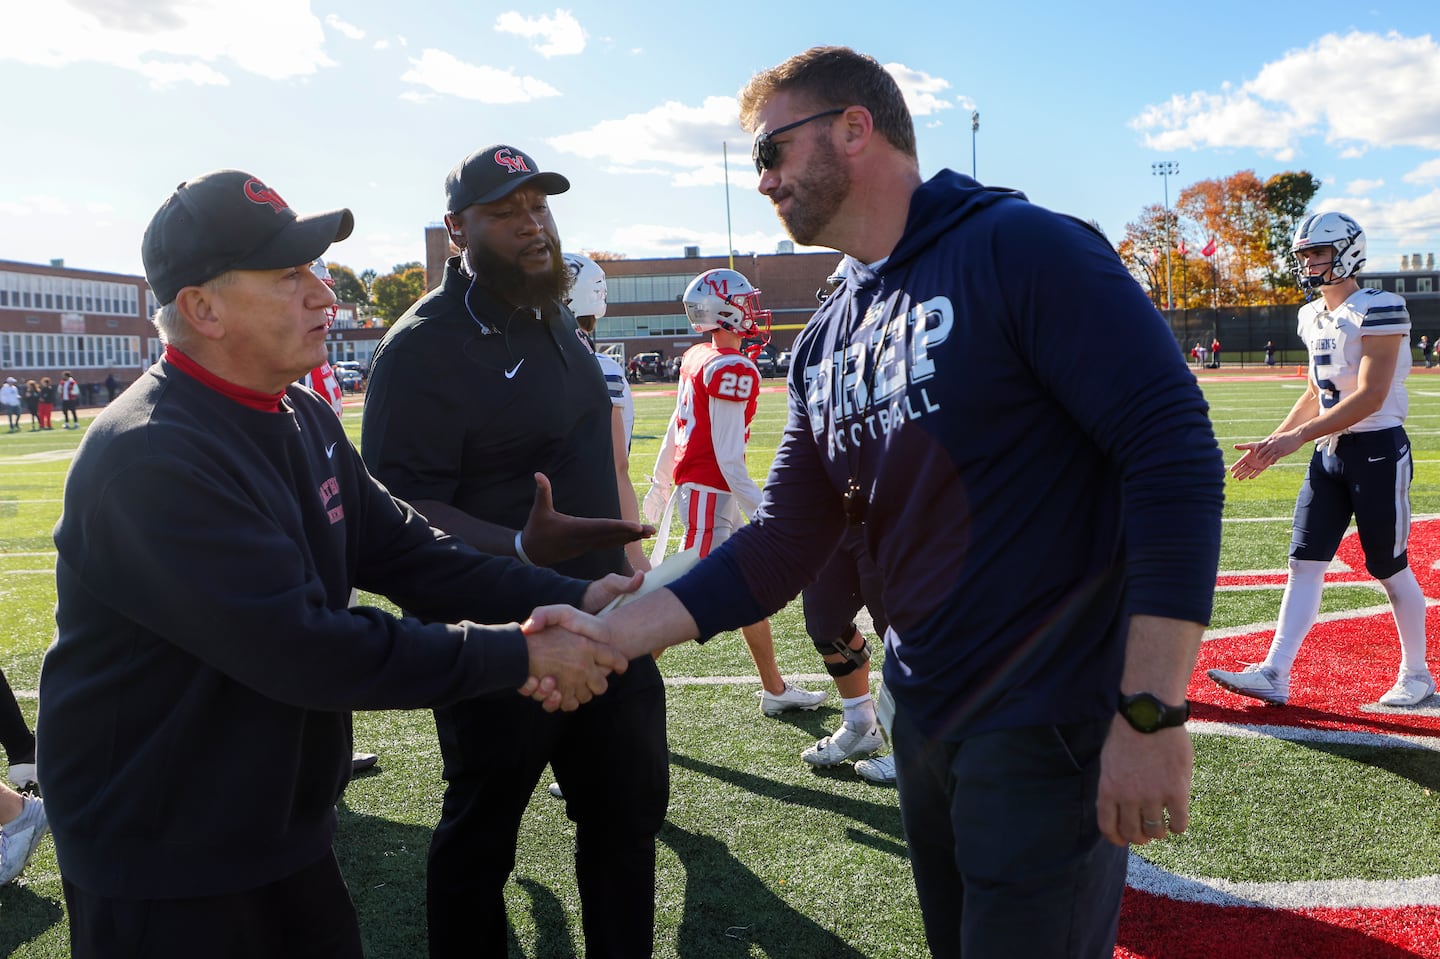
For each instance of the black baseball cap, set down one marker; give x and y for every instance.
(230, 220)
(489, 174)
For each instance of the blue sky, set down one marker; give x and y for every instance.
(108, 104)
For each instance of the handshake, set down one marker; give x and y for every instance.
(573, 651)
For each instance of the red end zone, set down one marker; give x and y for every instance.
(1343, 667)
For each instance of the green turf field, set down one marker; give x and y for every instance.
(761, 856)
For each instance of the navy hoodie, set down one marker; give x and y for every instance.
(1037, 458)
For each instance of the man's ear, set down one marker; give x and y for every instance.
(858, 128)
(456, 229)
(200, 310)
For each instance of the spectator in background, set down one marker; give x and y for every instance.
(46, 405)
(32, 404)
(70, 400)
(10, 403)
(1215, 353)
(1269, 353)
(112, 386)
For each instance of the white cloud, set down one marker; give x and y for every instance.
(382, 44)
(1390, 97)
(922, 92)
(334, 22)
(557, 36)
(171, 42)
(1362, 187)
(443, 73)
(1403, 225)
(1429, 170)
(1225, 120)
(685, 140)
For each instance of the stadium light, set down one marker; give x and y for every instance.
(974, 129)
(1165, 169)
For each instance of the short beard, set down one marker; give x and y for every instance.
(822, 189)
(514, 285)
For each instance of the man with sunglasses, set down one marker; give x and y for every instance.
(1048, 533)
(479, 392)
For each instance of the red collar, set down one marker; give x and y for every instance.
(264, 402)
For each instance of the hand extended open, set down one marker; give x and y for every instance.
(551, 537)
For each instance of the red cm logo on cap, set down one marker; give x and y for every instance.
(513, 163)
(257, 192)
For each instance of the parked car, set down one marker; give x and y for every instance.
(782, 362)
(350, 374)
(644, 365)
(766, 363)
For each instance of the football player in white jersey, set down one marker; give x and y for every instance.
(1354, 407)
(587, 300)
(700, 469)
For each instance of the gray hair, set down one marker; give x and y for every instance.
(168, 321)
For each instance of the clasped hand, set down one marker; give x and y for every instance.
(571, 655)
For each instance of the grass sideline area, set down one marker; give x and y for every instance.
(760, 854)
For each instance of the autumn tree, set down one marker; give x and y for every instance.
(1143, 247)
(1287, 196)
(1249, 224)
(348, 288)
(393, 293)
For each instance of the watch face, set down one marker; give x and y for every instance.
(1144, 712)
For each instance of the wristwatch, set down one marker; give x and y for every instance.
(1148, 714)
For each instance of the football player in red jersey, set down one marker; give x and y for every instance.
(701, 466)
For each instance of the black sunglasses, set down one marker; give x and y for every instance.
(765, 153)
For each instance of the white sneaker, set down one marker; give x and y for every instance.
(1256, 681)
(791, 699)
(555, 790)
(1409, 690)
(18, 839)
(847, 742)
(21, 776)
(881, 769)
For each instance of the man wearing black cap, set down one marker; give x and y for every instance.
(215, 521)
(479, 393)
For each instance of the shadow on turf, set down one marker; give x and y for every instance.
(728, 909)
(882, 817)
(24, 915)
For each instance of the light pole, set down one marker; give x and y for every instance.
(1165, 169)
(974, 129)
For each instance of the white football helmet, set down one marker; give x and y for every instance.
(724, 300)
(587, 286)
(1335, 230)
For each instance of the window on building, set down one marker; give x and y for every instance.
(1423, 284)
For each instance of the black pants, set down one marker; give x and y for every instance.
(71, 411)
(15, 735)
(305, 916)
(612, 761)
(1005, 841)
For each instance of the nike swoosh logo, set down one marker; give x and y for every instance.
(510, 374)
(330, 451)
(1376, 459)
